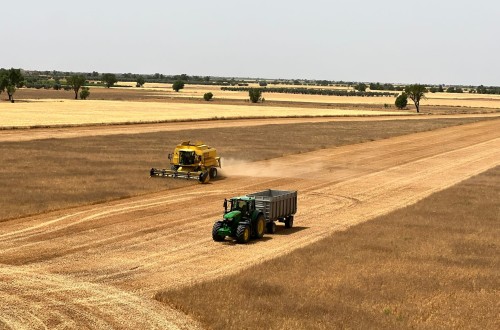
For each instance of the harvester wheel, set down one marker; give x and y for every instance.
(215, 229)
(271, 227)
(204, 177)
(213, 173)
(289, 222)
(243, 234)
(259, 226)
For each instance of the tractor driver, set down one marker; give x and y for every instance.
(242, 205)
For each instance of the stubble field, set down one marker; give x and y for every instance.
(431, 265)
(149, 260)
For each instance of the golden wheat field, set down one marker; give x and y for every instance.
(72, 112)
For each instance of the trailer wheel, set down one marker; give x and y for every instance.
(289, 222)
(215, 230)
(271, 228)
(260, 226)
(213, 173)
(243, 234)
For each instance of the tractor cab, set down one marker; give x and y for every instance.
(245, 205)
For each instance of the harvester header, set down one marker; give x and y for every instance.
(189, 160)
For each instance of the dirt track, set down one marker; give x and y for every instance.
(100, 265)
(10, 135)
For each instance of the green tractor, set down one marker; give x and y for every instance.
(241, 221)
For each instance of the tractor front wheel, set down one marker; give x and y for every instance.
(243, 234)
(215, 232)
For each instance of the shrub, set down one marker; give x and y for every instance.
(178, 85)
(401, 101)
(208, 96)
(255, 95)
(84, 93)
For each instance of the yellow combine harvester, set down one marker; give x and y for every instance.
(191, 161)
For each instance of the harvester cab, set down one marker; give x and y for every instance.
(191, 161)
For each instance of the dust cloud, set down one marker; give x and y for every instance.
(278, 167)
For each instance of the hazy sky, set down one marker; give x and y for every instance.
(451, 42)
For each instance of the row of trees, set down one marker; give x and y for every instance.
(384, 87)
(487, 90)
(311, 91)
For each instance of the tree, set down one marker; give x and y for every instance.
(401, 101)
(140, 81)
(361, 87)
(208, 96)
(255, 94)
(109, 79)
(178, 85)
(75, 82)
(3, 80)
(84, 93)
(10, 80)
(416, 92)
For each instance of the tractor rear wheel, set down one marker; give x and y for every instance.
(243, 234)
(271, 227)
(259, 226)
(215, 230)
(213, 173)
(289, 222)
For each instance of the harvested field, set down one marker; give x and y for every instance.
(431, 265)
(66, 112)
(132, 249)
(28, 134)
(41, 175)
